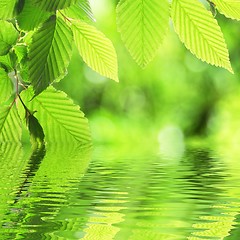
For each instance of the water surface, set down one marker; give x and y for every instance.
(103, 193)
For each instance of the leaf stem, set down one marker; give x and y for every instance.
(211, 3)
(66, 18)
(17, 93)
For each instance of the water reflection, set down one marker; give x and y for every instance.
(39, 188)
(50, 194)
(29, 172)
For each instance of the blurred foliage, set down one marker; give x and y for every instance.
(176, 89)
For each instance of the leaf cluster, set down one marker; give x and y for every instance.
(36, 40)
(143, 25)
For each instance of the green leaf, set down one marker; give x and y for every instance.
(49, 53)
(230, 8)
(61, 119)
(10, 125)
(6, 87)
(7, 8)
(21, 52)
(80, 10)
(51, 5)
(36, 15)
(96, 50)
(8, 36)
(200, 32)
(143, 25)
(7, 63)
(35, 129)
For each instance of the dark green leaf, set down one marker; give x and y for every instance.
(35, 129)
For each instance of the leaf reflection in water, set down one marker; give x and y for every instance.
(123, 194)
(39, 188)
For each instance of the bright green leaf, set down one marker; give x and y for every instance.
(49, 53)
(96, 50)
(23, 73)
(143, 25)
(6, 87)
(21, 52)
(9, 61)
(7, 8)
(200, 32)
(36, 15)
(10, 125)
(8, 36)
(230, 8)
(27, 39)
(51, 5)
(60, 118)
(6, 63)
(80, 10)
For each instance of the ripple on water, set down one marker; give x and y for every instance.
(53, 195)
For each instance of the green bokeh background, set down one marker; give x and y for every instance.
(176, 90)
